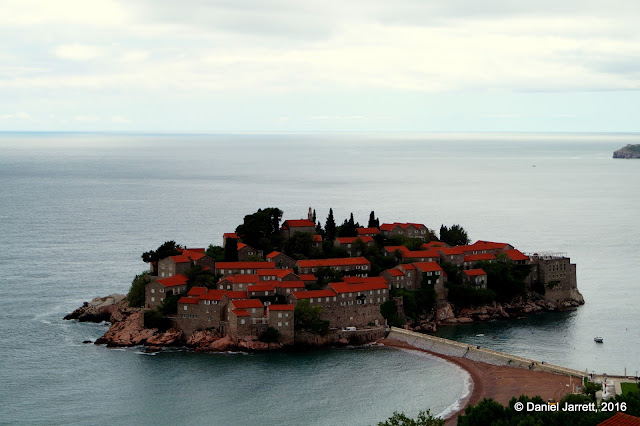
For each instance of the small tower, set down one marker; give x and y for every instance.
(310, 215)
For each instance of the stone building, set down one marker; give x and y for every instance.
(556, 273)
(281, 260)
(290, 227)
(358, 265)
(409, 230)
(281, 317)
(159, 289)
(475, 277)
(235, 268)
(181, 263)
(351, 246)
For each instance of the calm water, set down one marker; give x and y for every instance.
(76, 212)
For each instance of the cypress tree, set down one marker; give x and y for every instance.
(330, 226)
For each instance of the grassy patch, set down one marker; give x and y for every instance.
(629, 388)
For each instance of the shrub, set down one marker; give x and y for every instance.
(154, 319)
(135, 297)
(270, 335)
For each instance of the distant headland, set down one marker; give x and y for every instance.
(273, 285)
(629, 151)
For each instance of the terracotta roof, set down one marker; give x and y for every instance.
(261, 287)
(347, 261)
(516, 255)
(246, 303)
(427, 266)
(387, 226)
(175, 280)
(351, 240)
(420, 253)
(245, 265)
(187, 256)
(240, 312)
(241, 245)
(395, 272)
(242, 278)
(189, 300)
(489, 245)
(273, 254)
(451, 250)
(477, 257)
(196, 291)
(197, 250)
(360, 280)
(392, 249)
(408, 266)
(230, 235)
(362, 231)
(354, 288)
(281, 307)
(308, 277)
(317, 238)
(390, 226)
(313, 293)
(218, 294)
(433, 244)
(289, 284)
(475, 272)
(621, 419)
(280, 273)
(234, 294)
(300, 223)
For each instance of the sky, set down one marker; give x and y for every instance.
(296, 65)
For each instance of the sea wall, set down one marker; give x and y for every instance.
(475, 353)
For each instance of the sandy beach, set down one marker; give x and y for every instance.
(500, 383)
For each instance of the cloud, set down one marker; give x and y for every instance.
(16, 116)
(78, 52)
(120, 119)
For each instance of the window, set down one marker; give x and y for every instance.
(195, 317)
(208, 318)
(319, 299)
(153, 299)
(152, 291)
(286, 323)
(364, 266)
(253, 310)
(279, 324)
(185, 307)
(162, 290)
(184, 315)
(279, 314)
(189, 316)
(162, 274)
(242, 321)
(286, 315)
(207, 302)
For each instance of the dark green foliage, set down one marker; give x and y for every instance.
(418, 302)
(348, 228)
(373, 222)
(270, 335)
(168, 248)
(454, 273)
(154, 319)
(590, 389)
(379, 263)
(135, 297)
(506, 279)
(390, 312)
(261, 230)
(464, 296)
(215, 252)
(424, 419)
(329, 251)
(325, 276)
(197, 276)
(169, 305)
(231, 250)
(413, 244)
(454, 236)
(629, 388)
(330, 227)
(308, 318)
(299, 246)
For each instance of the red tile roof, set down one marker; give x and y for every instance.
(451, 250)
(240, 312)
(369, 280)
(175, 280)
(489, 245)
(317, 238)
(300, 223)
(242, 278)
(273, 254)
(245, 265)
(392, 249)
(621, 419)
(280, 273)
(234, 294)
(354, 288)
(420, 254)
(347, 261)
(433, 244)
(281, 307)
(313, 293)
(308, 277)
(230, 235)
(196, 291)
(351, 240)
(362, 231)
(197, 250)
(477, 257)
(408, 266)
(390, 226)
(261, 287)
(246, 303)
(289, 284)
(187, 256)
(219, 294)
(189, 300)
(241, 245)
(395, 272)
(475, 272)
(516, 255)
(427, 266)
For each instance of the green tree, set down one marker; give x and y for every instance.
(261, 229)
(424, 419)
(270, 335)
(389, 311)
(299, 246)
(168, 248)
(330, 227)
(215, 252)
(506, 279)
(197, 276)
(307, 318)
(454, 236)
(154, 319)
(231, 250)
(135, 297)
(373, 222)
(169, 305)
(348, 228)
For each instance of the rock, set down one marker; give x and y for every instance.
(343, 341)
(87, 341)
(224, 344)
(128, 332)
(464, 320)
(151, 349)
(99, 309)
(445, 313)
(168, 338)
(629, 151)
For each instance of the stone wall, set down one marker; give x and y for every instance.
(476, 353)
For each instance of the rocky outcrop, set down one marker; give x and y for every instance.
(629, 151)
(99, 309)
(127, 332)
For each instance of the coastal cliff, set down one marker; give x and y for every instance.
(629, 151)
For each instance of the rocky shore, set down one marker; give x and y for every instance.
(629, 151)
(448, 314)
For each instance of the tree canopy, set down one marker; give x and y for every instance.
(454, 236)
(135, 297)
(261, 230)
(168, 248)
(330, 226)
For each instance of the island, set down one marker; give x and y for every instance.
(276, 284)
(629, 151)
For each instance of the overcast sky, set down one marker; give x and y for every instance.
(295, 65)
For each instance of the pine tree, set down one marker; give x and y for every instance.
(330, 226)
(373, 222)
(314, 216)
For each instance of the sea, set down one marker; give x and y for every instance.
(78, 209)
